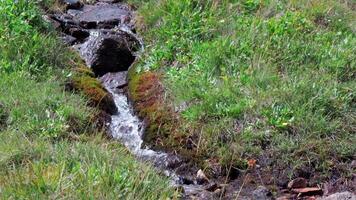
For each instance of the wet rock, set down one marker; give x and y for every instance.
(68, 40)
(185, 181)
(107, 53)
(78, 33)
(262, 193)
(66, 21)
(115, 81)
(340, 196)
(71, 4)
(73, 12)
(102, 15)
(211, 187)
(308, 191)
(172, 161)
(297, 183)
(201, 177)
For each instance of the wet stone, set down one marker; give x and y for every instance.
(78, 33)
(115, 81)
(68, 40)
(107, 53)
(102, 16)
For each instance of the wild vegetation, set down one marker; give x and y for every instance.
(49, 146)
(272, 81)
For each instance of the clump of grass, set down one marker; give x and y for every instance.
(259, 78)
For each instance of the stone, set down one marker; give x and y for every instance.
(66, 21)
(262, 193)
(185, 180)
(308, 191)
(78, 33)
(114, 81)
(340, 196)
(201, 177)
(297, 183)
(102, 16)
(106, 53)
(68, 40)
(211, 187)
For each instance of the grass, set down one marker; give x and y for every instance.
(49, 146)
(257, 79)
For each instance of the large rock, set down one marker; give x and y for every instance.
(102, 15)
(107, 53)
(340, 196)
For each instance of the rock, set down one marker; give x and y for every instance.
(262, 193)
(72, 4)
(211, 187)
(66, 21)
(102, 15)
(78, 33)
(340, 196)
(297, 183)
(107, 53)
(68, 40)
(308, 191)
(114, 81)
(185, 181)
(201, 177)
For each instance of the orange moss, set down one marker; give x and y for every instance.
(163, 129)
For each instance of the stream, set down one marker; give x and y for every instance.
(104, 35)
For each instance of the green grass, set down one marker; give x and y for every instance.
(49, 146)
(261, 78)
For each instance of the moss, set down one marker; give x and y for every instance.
(83, 80)
(163, 130)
